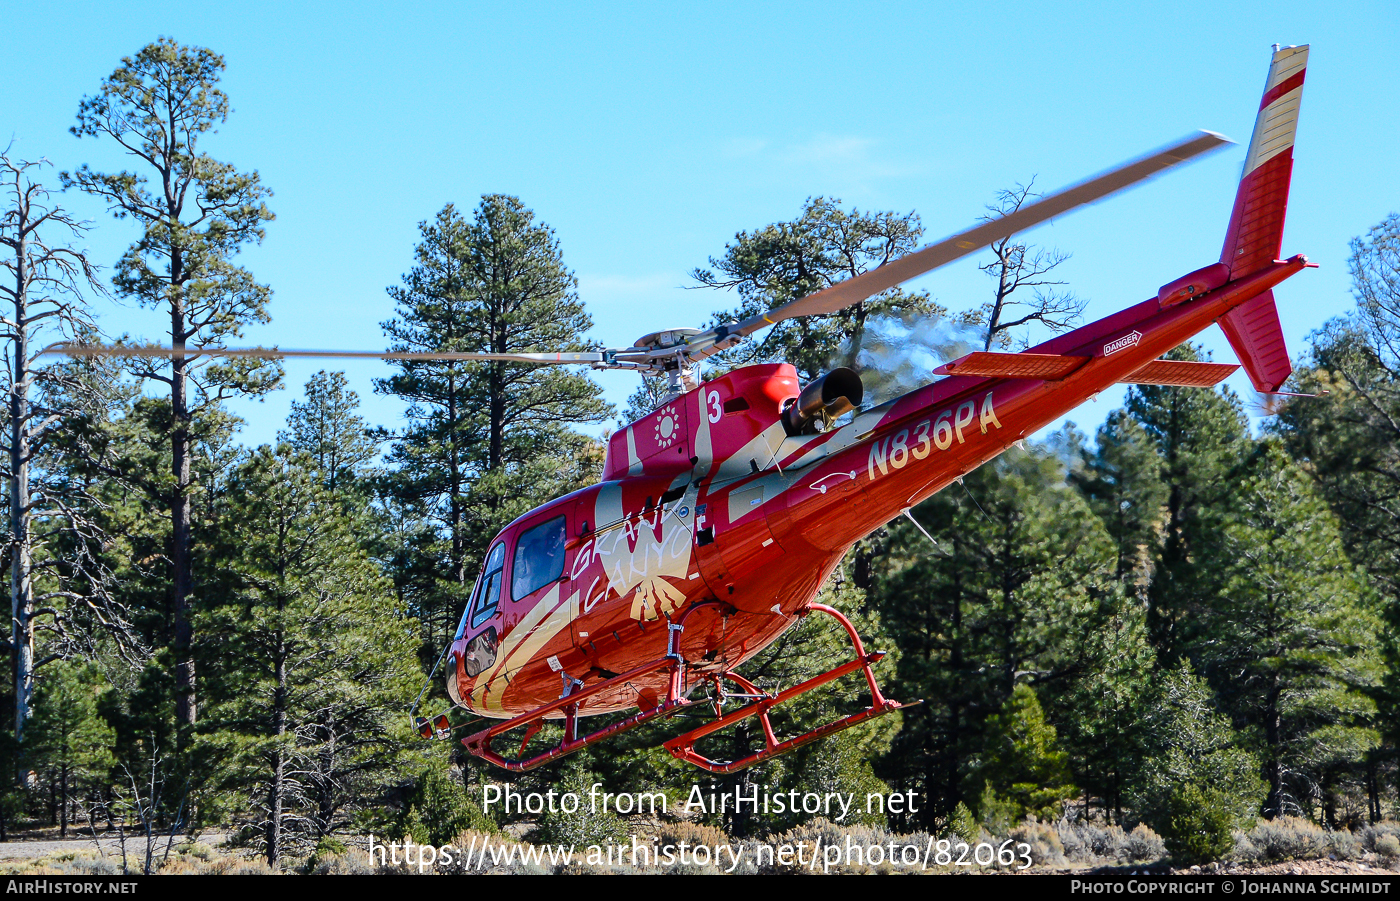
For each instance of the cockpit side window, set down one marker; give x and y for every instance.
(539, 558)
(487, 596)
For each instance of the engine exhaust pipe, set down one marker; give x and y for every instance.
(837, 392)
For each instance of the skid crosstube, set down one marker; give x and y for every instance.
(683, 746)
(480, 743)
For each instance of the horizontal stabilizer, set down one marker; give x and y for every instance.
(1257, 339)
(1181, 374)
(1049, 367)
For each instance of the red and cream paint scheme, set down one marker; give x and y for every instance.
(714, 528)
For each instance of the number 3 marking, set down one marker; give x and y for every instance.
(716, 411)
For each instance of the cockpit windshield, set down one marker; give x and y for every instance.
(487, 596)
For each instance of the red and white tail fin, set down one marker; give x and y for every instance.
(1255, 236)
(1256, 225)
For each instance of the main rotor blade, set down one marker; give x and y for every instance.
(148, 350)
(868, 284)
(711, 341)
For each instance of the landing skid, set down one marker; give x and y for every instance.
(480, 742)
(683, 746)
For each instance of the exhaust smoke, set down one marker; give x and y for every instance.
(895, 355)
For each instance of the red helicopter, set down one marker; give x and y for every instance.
(721, 513)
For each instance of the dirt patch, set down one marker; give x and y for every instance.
(104, 846)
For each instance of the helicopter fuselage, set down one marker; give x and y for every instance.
(709, 503)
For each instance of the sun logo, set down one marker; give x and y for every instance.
(666, 427)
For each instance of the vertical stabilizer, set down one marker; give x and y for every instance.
(1256, 224)
(1255, 236)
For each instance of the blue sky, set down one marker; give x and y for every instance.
(646, 135)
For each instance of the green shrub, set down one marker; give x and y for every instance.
(963, 824)
(998, 814)
(195, 849)
(1197, 825)
(326, 849)
(1289, 838)
(584, 826)
(1045, 846)
(1024, 772)
(439, 809)
(329, 846)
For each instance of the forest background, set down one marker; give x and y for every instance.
(1177, 612)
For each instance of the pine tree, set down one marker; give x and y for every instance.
(438, 810)
(1288, 637)
(1100, 714)
(1349, 444)
(327, 428)
(1015, 267)
(71, 745)
(1201, 437)
(586, 826)
(787, 260)
(1121, 479)
(315, 662)
(1191, 744)
(117, 453)
(195, 214)
(485, 441)
(1023, 771)
(1019, 588)
(42, 291)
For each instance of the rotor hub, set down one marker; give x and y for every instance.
(666, 338)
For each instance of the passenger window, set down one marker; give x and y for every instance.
(487, 596)
(539, 558)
